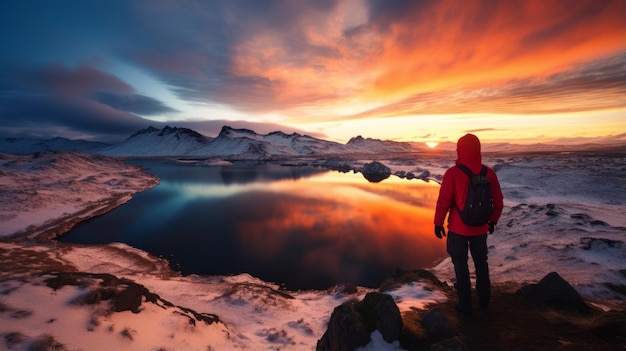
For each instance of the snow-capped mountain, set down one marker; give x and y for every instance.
(21, 146)
(169, 141)
(246, 144)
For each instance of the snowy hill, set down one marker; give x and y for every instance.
(169, 141)
(20, 146)
(369, 145)
(304, 144)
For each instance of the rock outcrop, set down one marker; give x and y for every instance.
(553, 291)
(352, 323)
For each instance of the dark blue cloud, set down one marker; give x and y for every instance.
(31, 116)
(59, 80)
(76, 101)
(134, 103)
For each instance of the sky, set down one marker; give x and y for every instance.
(521, 71)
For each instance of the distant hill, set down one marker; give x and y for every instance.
(360, 144)
(28, 146)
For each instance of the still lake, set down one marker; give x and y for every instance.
(301, 227)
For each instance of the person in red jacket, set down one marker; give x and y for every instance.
(452, 196)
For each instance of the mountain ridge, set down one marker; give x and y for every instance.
(246, 144)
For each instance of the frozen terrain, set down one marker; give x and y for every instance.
(563, 212)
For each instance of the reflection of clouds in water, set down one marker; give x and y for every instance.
(266, 172)
(410, 191)
(218, 182)
(239, 174)
(192, 191)
(345, 230)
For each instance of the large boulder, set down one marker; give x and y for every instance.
(375, 171)
(382, 310)
(553, 291)
(352, 323)
(346, 330)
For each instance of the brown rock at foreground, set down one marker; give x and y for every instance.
(512, 323)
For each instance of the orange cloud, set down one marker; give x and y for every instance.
(448, 45)
(327, 61)
(597, 86)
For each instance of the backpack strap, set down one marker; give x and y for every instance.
(469, 174)
(466, 170)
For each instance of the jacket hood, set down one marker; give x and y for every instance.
(468, 152)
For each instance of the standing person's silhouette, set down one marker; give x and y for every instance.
(452, 196)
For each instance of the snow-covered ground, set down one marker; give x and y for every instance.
(45, 190)
(564, 213)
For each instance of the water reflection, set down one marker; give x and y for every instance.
(340, 228)
(244, 173)
(304, 227)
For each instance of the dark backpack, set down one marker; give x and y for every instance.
(479, 202)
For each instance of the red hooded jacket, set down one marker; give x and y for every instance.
(454, 189)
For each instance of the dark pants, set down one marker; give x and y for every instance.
(457, 248)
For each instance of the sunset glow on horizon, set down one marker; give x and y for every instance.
(425, 71)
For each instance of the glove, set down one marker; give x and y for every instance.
(492, 227)
(440, 232)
